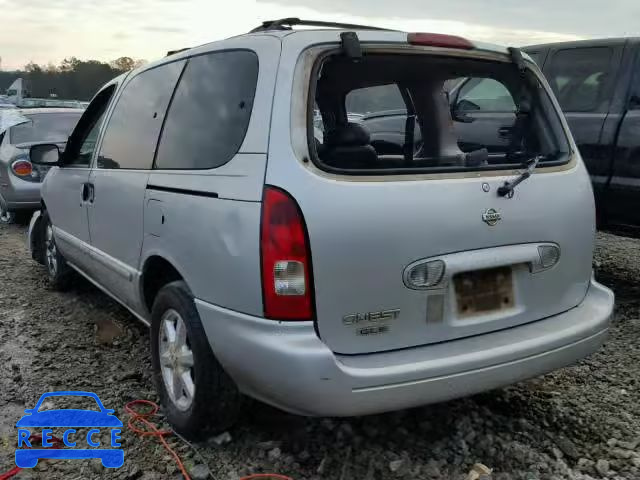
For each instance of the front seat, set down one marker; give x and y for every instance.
(349, 146)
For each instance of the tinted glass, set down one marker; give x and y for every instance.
(88, 145)
(375, 99)
(580, 78)
(54, 127)
(634, 103)
(486, 95)
(132, 132)
(210, 111)
(82, 142)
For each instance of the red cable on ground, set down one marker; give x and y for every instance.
(10, 473)
(152, 431)
(15, 470)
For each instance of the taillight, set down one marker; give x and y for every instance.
(22, 168)
(439, 40)
(286, 264)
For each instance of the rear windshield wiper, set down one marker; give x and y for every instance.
(506, 190)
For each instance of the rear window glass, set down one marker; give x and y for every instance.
(581, 78)
(428, 113)
(210, 112)
(45, 127)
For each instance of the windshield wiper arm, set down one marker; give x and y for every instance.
(506, 190)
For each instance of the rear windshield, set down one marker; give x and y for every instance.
(53, 127)
(409, 113)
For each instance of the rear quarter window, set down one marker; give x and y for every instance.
(210, 112)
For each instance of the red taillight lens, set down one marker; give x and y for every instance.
(286, 264)
(439, 40)
(22, 168)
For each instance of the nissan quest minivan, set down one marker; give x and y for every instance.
(336, 221)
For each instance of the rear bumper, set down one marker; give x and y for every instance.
(288, 366)
(18, 194)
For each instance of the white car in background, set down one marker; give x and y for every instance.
(20, 129)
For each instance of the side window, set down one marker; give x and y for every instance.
(88, 146)
(82, 142)
(210, 111)
(485, 95)
(535, 56)
(581, 78)
(375, 99)
(131, 135)
(634, 98)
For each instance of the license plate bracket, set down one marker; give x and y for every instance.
(484, 291)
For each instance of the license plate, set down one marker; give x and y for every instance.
(484, 291)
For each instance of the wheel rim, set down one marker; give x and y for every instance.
(51, 251)
(5, 215)
(176, 360)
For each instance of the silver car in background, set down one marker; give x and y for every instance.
(308, 267)
(20, 129)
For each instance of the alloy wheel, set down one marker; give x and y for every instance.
(51, 251)
(6, 216)
(176, 360)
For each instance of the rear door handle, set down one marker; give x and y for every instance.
(88, 192)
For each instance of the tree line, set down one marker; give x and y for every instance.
(73, 79)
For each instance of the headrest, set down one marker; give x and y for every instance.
(351, 134)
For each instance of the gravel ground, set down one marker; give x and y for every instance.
(581, 422)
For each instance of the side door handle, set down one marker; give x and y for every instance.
(92, 192)
(85, 192)
(88, 192)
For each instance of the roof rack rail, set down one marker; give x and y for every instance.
(288, 23)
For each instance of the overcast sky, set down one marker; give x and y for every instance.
(48, 30)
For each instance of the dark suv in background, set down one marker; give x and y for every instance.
(598, 86)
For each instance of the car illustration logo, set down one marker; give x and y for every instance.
(491, 216)
(27, 455)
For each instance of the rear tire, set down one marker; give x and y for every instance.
(23, 217)
(198, 396)
(58, 272)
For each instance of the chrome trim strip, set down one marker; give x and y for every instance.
(104, 259)
(111, 263)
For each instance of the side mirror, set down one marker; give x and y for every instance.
(459, 111)
(45, 154)
(467, 106)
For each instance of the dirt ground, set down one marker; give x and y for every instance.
(581, 422)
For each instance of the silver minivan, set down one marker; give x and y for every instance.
(420, 242)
